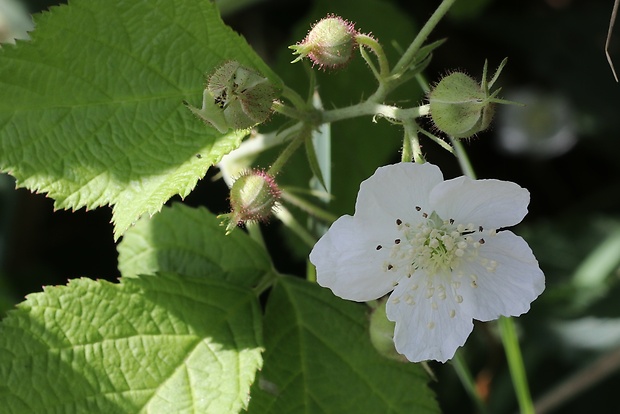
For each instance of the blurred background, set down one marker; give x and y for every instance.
(563, 145)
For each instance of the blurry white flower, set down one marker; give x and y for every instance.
(436, 244)
(15, 22)
(543, 128)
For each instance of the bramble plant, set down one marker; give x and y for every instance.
(200, 320)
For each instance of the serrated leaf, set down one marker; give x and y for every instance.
(192, 242)
(92, 111)
(157, 344)
(319, 359)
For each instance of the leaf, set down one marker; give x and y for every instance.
(319, 359)
(95, 114)
(191, 242)
(151, 344)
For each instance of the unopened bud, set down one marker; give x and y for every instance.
(461, 107)
(330, 43)
(252, 198)
(235, 97)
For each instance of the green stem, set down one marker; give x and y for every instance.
(294, 98)
(515, 363)
(309, 207)
(421, 37)
(373, 108)
(411, 135)
(255, 233)
(461, 155)
(366, 40)
(287, 218)
(288, 152)
(407, 153)
(287, 111)
(467, 379)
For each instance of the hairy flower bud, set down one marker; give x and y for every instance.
(235, 97)
(330, 43)
(252, 197)
(461, 107)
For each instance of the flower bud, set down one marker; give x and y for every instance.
(460, 107)
(235, 97)
(330, 43)
(252, 197)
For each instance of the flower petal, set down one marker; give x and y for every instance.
(348, 261)
(488, 203)
(426, 328)
(505, 285)
(394, 191)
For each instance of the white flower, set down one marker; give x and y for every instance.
(439, 245)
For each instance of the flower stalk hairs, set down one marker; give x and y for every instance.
(440, 247)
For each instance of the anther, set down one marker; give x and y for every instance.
(379, 247)
(481, 241)
(397, 241)
(399, 222)
(418, 208)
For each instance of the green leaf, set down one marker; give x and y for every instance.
(191, 242)
(156, 344)
(96, 115)
(319, 359)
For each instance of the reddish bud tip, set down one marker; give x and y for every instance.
(330, 43)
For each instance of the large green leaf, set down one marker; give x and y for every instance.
(191, 242)
(157, 344)
(92, 108)
(319, 359)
